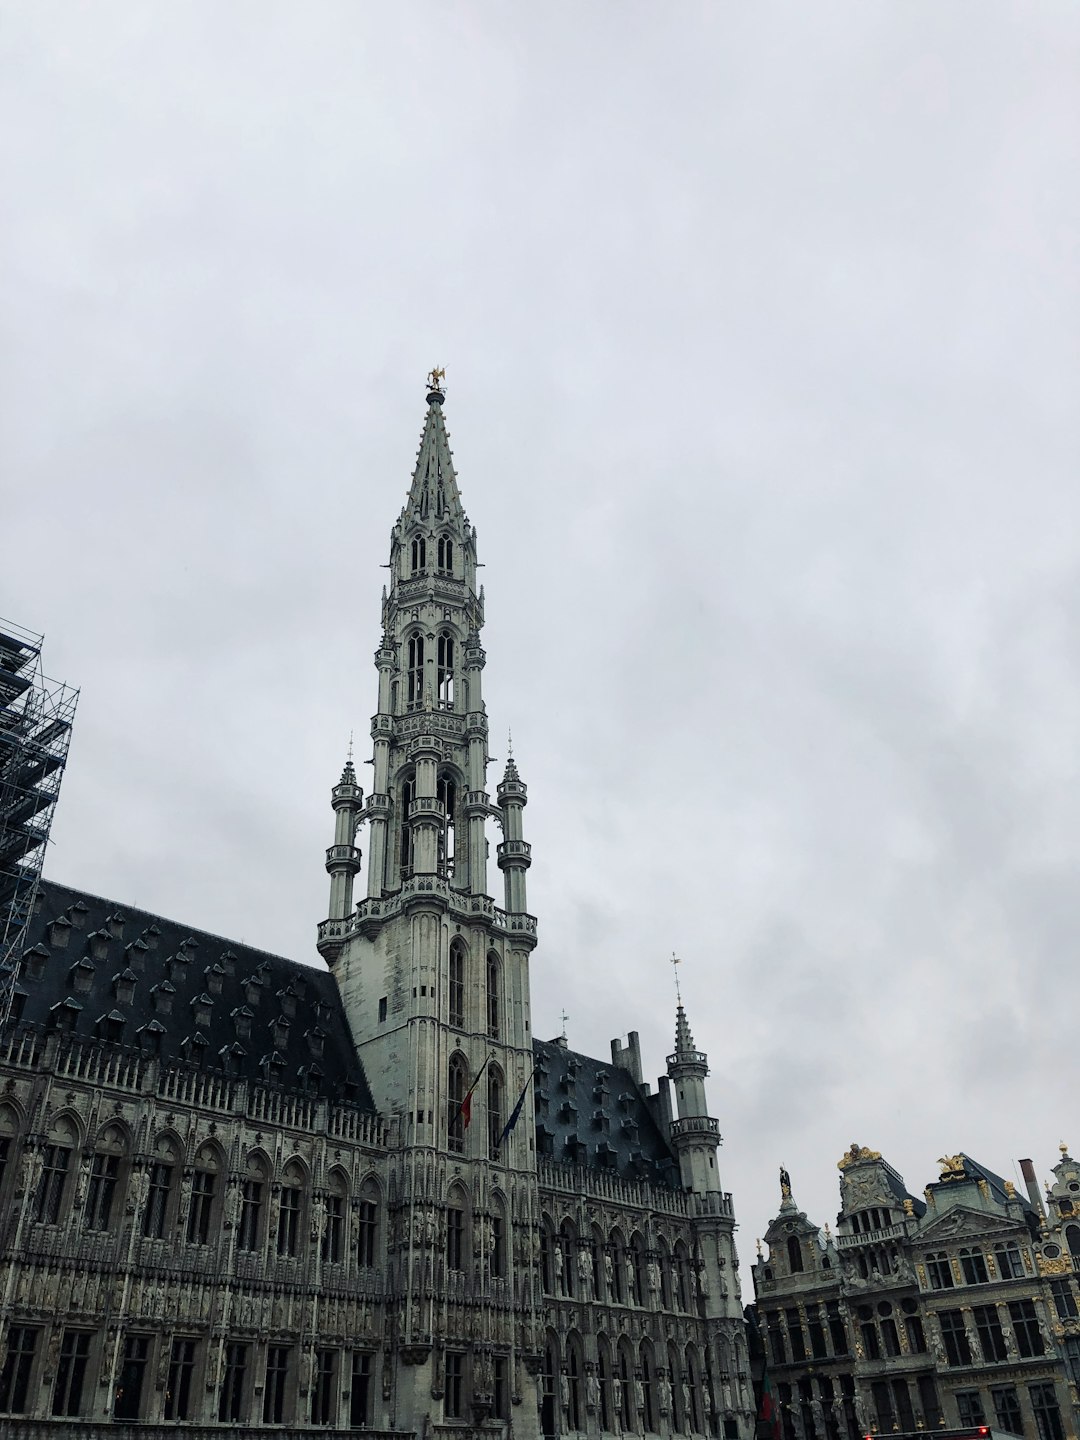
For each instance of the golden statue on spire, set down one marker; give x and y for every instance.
(436, 377)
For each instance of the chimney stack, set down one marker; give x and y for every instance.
(1027, 1169)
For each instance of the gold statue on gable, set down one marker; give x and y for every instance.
(436, 377)
(952, 1167)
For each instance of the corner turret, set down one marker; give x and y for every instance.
(515, 855)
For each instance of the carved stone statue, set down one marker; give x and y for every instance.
(584, 1270)
(592, 1392)
(653, 1273)
(609, 1274)
(663, 1386)
(617, 1403)
(560, 1266)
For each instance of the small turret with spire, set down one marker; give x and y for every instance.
(695, 1135)
(515, 855)
(343, 857)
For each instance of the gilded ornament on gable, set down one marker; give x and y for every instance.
(856, 1155)
(952, 1167)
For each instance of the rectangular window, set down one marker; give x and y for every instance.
(902, 1404)
(816, 1332)
(1072, 1358)
(889, 1338)
(18, 1363)
(382, 1010)
(928, 1400)
(181, 1375)
(973, 1264)
(367, 1222)
(1044, 1407)
(324, 1390)
(288, 1235)
(954, 1334)
(776, 1342)
(837, 1328)
(277, 1376)
(969, 1407)
(360, 1391)
(333, 1240)
(883, 1404)
(1007, 1409)
(1064, 1298)
(500, 1407)
(251, 1203)
(871, 1343)
(71, 1373)
(127, 1400)
(1025, 1323)
(991, 1337)
(455, 1385)
(56, 1159)
(916, 1337)
(1010, 1264)
(157, 1201)
(202, 1202)
(455, 1238)
(232, 1404)
(939, 1272)
(795, 1335)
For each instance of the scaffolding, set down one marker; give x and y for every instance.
(35, 731)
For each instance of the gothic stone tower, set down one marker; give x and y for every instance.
(433, 975)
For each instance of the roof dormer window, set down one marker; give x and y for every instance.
(124, 986)
(201, 1008)
(214, 976)
(162, 997)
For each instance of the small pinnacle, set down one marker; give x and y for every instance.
(349, 757)
(564, 1017)
(509, 744)
(676, 962)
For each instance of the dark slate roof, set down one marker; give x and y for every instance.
(900, 1190)
(591, 1113)
(123, 976)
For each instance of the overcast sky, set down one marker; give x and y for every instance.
(761, 334)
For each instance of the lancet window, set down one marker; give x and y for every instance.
(414, 669)
(445, 670)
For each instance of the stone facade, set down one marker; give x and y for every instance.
(956, 1307)
(243, 1193)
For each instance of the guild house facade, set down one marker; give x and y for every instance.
(953, 1308)
(238, 1192)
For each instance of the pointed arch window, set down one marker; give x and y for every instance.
(405, 843)
(575, 1367)
(418, 554)
(496, 1106)
(446, 555)
(493, 989)
(447, 796)
(603, 1370)
(414, 668)
(104, 1179)
(457, 1085)
(445, 670)
(456, 987)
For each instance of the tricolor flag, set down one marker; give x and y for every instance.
(769, 1414)
(515, 1114)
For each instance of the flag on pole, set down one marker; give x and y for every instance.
(515, 1114)
(465, 1108)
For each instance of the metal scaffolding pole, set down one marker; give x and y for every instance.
(35, 730)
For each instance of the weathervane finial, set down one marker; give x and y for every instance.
(676, 962)
(436, 376)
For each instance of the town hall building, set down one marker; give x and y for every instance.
(238, 1191)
